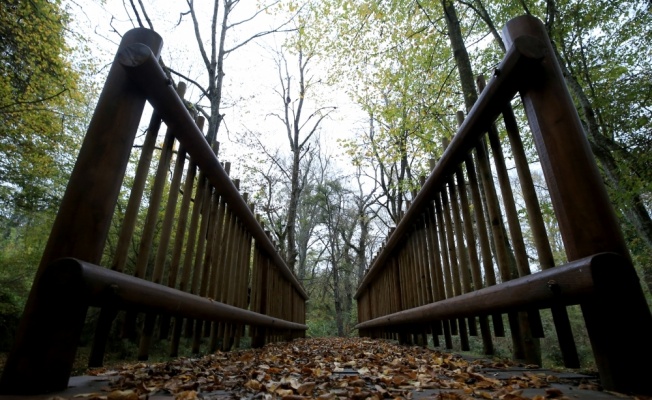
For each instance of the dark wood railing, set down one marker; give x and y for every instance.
(202, 257)
(458, 257)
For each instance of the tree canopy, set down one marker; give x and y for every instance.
(40, 104)
(43, 99)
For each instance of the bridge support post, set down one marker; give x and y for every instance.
(79, 231)
(618, 322)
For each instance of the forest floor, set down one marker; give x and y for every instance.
(331, 368)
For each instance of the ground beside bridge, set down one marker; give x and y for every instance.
(331, 368)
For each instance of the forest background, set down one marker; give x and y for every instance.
(329, 111)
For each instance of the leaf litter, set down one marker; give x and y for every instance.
(325, 368)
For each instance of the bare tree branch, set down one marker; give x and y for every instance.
(149, 22)
(256, 36)
(133, 7)
(179, 74)
(197, 34)
(41, 100)
(262, 10)
(181, 15)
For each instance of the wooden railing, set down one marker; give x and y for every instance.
(202, 257)
(458, 257)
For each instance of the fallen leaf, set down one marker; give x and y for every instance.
(122, 395)
(307, 368)
(186, 395)
(306, 388)
(254, 385)
(553, 393)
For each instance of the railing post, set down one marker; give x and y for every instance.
(39, 361)
(618, 321)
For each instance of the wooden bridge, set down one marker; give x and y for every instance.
(216, 268)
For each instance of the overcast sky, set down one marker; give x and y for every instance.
(251, 74)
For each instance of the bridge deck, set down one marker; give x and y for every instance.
(331, 368)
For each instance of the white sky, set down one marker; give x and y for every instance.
(251, 75)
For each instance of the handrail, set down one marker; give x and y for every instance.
(564, 285)
(102, 287)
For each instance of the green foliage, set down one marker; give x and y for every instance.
(40, 104)
(321, 320)
(321, 326)
(20, 252)
(398, 68)
(44, 91)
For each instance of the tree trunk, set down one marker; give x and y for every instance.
(460, 54)
(295, 192)
(339, 317)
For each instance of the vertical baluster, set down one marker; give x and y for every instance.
(404, 337)
(421, 277)
(434, 255)
(483, 237)
(461, 278)
(456, 251)
(185, 283)
(217, 268)
(426, 280)
(451, 272)
(107, 315)
(407, 251)
(416, 281)
(447, 285)
(506, 265)
(261, 297)
(200, 267)
(256, 290)
(277, 305)
(224, 270)
(426, 254)
(539, 233)
(162, 250)
(232, 278)
(245, 276)
(412, 282)
(210, 254)
(149, 230)
(396, 288)
(463, 265)
(195, 326)
(531, 327)
(231, 272)
(179, 240)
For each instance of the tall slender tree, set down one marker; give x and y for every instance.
(300, 125)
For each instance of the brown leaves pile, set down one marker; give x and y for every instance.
(328, 368)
